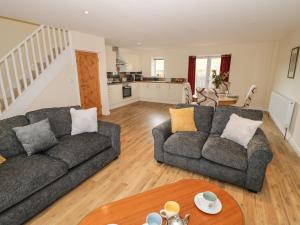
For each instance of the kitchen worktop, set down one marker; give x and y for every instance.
(146, 81)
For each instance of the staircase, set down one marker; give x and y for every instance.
(29, 61)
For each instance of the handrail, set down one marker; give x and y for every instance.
(36, 53)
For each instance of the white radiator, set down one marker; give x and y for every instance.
(281, 111)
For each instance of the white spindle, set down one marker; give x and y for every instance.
(40, 52)
(3, 91)
(34, 57)
(55, 42)
(64, 38)
(11, 89)
(60, 40)
(28, 62)
(22, 67)
(16, 74)
(45, 46)
(68, 38)
(50, 44)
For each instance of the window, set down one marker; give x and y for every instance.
(158, 67)
(204, 68)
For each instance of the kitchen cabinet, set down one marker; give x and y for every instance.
(115, 95)
(146, 91)
(161, 92)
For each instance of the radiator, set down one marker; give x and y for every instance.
(281, 110)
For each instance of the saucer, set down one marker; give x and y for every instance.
(214, 210)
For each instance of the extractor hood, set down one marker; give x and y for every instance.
(119, 61)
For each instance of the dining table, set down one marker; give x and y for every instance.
(227, 100)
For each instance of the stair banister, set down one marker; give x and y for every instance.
(37, 59)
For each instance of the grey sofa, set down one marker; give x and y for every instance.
(30, 184)
(205, 152)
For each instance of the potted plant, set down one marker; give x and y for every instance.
(220, 81)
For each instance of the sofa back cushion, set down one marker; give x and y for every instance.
(203, 116)
(59, 118)
(9, 144)
(222, 116)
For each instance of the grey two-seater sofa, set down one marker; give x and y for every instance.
(28, 184)
(205, 152)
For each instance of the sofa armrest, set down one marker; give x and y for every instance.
(113, 131)
(160, 134)
(259, 155)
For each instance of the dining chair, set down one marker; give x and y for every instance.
(207, 96)
(249, 96)
(187, 96)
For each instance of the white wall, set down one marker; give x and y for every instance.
(62, 91)
(12, 33)
(289, 87)
(92, 43)
(251, 63)
(130, 56)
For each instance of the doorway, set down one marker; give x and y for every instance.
(88, 78)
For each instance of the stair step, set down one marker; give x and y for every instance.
(39, 65)
(2, 106)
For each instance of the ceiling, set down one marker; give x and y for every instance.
(164, 23)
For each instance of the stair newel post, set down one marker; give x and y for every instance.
(45, 46)
(16, 74)
(34, 57)
(3, 91)
(50, 44)
(55, 42)
(40, 51)
(22, 67)
(28, 63)
(11, 90)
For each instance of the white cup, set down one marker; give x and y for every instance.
(208, 199)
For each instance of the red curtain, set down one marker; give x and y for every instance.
(225, 65)
(192, 72)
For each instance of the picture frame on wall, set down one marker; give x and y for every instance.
(293, 62)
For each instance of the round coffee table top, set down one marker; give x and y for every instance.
(134, 210)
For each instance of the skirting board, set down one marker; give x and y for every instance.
(289, 137)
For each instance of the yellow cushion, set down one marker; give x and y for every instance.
(2, 159)
(183, 119)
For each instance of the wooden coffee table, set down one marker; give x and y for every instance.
(134, 210)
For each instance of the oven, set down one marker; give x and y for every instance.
(126, 91)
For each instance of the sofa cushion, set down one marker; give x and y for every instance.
(222, 116)
(59, 118)
(36, 137)
(187, 144)
(22, 176)
(225, 152)
(78, 148)
(203, 116)
(9, 144)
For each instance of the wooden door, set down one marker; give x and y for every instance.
(88, 77)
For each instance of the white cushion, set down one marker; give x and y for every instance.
(84, 120)
(240, 130)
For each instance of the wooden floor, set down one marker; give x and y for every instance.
(136, 171)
